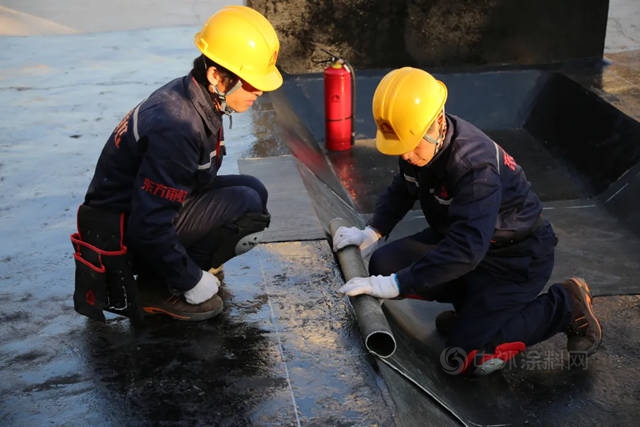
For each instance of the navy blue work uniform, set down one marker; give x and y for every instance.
(160, 167)
(487, 250)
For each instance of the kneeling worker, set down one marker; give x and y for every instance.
(488, 250)
(157, 216)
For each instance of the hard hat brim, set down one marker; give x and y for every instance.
(391, 145)
(266, 82)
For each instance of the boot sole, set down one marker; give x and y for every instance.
(187, 317)
(183, 317)
(585, 293)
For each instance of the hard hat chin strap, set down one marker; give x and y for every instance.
(222, 100)
(441, 135)
(222, 96)
(431, 140)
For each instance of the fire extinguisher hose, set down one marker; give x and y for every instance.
(352, 72)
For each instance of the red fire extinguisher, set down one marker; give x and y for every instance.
(339, 91)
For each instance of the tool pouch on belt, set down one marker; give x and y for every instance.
(104, 278)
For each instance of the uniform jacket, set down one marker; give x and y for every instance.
(166, 148)
(472, 193)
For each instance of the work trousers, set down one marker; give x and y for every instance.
(500, 300)
(227, 200)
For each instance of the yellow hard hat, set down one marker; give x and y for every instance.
(244, 42)
(405, 104)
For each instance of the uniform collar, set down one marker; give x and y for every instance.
(203, 103)
(445, 144)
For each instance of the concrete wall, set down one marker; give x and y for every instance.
(430, 33)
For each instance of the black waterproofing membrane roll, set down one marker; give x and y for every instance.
(374, 326)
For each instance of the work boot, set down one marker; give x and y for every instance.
(584, 333)
(155, 301)
(445, 322)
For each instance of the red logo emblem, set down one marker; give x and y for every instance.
(509, 161)
(444, 194)
(121, 129)
(90, 297)
(385, 127)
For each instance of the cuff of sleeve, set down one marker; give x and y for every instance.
(378, 229)
(187, 279)
(404, 282)
(197, 280)
(394, 277)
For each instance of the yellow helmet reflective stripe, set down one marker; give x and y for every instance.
(244, 42)
(405, 104)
